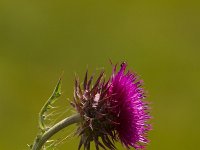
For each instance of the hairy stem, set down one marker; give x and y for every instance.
(41, 140)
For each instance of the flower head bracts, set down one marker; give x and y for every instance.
(92, 104)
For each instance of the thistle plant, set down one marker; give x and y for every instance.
(107, 111)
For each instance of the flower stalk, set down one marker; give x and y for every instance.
(47, 132)
(41, 140)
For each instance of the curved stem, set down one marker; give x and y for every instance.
(40, 141)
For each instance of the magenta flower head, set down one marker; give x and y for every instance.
(131, 110)
(112, 110)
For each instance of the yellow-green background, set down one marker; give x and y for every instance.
(160, 40)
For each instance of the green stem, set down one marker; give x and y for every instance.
(40, 141)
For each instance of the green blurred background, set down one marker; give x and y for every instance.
(160, 40)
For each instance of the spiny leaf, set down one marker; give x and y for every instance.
(49, 105)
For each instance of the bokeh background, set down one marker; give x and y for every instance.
(160, 40)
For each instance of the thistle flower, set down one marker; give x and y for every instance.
(112, 111)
